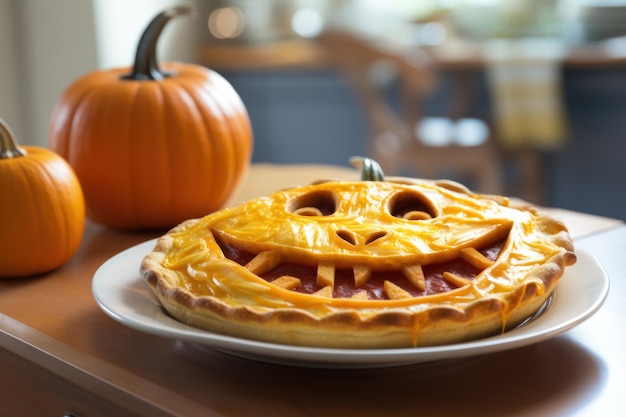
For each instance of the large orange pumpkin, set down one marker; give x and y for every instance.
(42, 211)
(153, 146)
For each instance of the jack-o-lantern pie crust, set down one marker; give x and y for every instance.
(362, 264)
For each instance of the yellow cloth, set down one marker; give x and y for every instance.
(525, 81)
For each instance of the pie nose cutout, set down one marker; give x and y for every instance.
(360, 239)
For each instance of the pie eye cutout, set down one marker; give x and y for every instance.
(411, 205)
(317, 203)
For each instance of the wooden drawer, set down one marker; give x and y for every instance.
(27, 390)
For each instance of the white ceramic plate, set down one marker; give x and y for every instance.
(122, 294)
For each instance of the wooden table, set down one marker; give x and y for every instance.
(61, 355)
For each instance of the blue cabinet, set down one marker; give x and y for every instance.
(301, 116)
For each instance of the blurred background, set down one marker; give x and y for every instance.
(520, 97)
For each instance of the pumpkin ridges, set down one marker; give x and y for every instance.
(61, 134)
(124, 157)
(50, 223)
(164, 165)
(102, 168)
(57, 221)
(14, 250)
(47, 219)
(165, 148)
(199, 200)
(183, 167)
(81, 117)
(218, 192)
(145, 179)
(221, 167)
(191, 181)
(233, 138)
(70, 191)
(220, 134)
(37, 251)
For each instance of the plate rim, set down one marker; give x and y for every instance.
(332, 357)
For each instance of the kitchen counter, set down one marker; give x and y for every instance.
(60, 354)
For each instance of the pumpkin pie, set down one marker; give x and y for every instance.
(396, 262)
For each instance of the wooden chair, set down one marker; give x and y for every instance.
(402, 140)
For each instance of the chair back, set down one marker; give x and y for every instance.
(402, 139)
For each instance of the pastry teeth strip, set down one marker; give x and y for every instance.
(326, 274)
(263, 262)
(327, 292)
(362, 274)
(455, 279)
(394, 292)
(287, 282)
(415, 275)
(360, 295)
(475, 258)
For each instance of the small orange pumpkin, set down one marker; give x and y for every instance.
(42, 211)
(153, 146)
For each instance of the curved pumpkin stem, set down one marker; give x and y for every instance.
(8, 146)
(146, 66)
(370, 169)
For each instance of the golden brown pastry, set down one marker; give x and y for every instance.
(361, 264)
